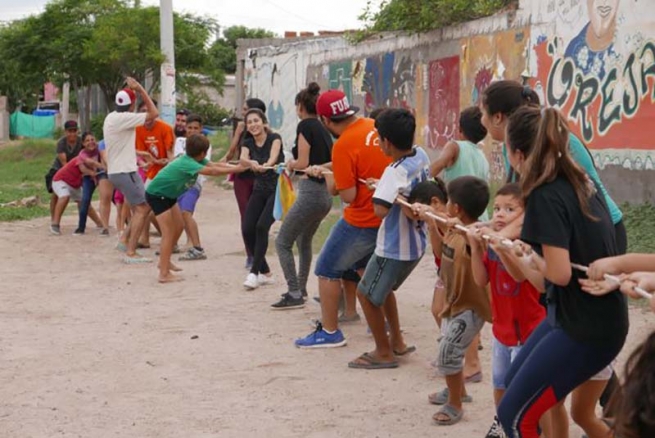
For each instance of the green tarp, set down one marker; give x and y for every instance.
(26, 125)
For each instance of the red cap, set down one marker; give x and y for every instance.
(334, 105)
(125, 97)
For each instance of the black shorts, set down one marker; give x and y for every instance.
(48, 179)
(159, 204)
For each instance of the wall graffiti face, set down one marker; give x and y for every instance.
(601, 75)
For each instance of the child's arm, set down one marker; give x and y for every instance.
(217, 169)
(436, 238)
(86, 170)
(522, 266)
(623, 264)
(480, 274)
(446, 159)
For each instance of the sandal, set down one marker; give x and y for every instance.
(368, 362)
(441, 398)
(406, 351)
(453, 414)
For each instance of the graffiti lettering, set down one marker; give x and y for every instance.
(617, 96)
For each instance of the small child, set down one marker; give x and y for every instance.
(163, 192)
(467, 304)
(515, 307)
(190, 197)
(401, 238)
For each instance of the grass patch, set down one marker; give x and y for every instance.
(324, 230)
(22, 170)
(640, 222)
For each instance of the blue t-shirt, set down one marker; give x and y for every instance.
(101, 145)
(399, 237)
(582, 156)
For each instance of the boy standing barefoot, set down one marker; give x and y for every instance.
(162, 194)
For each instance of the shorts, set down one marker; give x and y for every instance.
(62, 190)
(460, 332)
(345, 246)
(160, 204)
(384, 275)
(101, 175)
(502, 357)
(131, 185)
(352, 274)
(48, 179)
(189, 199)
(118, 197)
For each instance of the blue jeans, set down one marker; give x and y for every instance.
(345, 246)
(88, 187)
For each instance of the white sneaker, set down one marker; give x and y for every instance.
(251, 282)
(265, 280)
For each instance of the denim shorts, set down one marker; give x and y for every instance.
(502, 357)
(344, 247)
(460, 332)
(382, 276)
(188, 200)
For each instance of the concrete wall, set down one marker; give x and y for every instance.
(595, 60)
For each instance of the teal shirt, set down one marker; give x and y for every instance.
(581, 156)
(176, 178)
(471, 161)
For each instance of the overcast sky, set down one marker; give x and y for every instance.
(275, 15)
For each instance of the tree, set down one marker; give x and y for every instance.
(426, 15)
(224, 50)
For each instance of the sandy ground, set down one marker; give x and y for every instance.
(90, 347)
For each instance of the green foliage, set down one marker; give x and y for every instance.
(426, 15)
(97, 122)
(22, 171)
(640, 222)
(212, 114)
(223, 51)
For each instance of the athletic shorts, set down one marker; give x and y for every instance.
(160, 204)
(382, 276)
(502, 357)
(460, 332)
(189, 199)
(62, 190)
(131, 186)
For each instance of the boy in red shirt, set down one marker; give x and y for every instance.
(515, 307)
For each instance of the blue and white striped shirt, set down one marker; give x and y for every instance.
(399, 237)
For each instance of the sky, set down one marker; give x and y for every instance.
(275, 15)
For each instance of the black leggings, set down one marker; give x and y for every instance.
(256, 224)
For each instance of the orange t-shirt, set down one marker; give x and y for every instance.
(158, 141)
(357, 154)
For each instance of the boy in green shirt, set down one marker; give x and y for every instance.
(168, 185)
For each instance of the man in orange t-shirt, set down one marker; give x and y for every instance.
(356, 156)
(155, 137)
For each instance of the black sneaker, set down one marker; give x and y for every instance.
(288, 302)
(78, 232)
(496, 430)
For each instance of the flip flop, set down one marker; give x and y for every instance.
(441, 398)
(368, 362)
(454, 415)
(408, 350)
(474, 378)
(136, 260)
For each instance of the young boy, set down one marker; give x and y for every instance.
(189, 198)
(401, 238)
(467, 304)
(515, 307)
(163, 192)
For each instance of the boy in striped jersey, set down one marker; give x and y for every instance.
(401, 238)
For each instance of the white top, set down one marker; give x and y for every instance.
(180, 149)
(399, 237)
(119, 131)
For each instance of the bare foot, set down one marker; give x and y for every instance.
(172, 267)
(170, 278)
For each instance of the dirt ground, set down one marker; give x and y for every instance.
(90, 347)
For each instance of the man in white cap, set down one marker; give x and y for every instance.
(119, 132)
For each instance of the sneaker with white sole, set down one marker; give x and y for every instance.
(265, 280)
(288, 302)
(251, 282)
(193, 254)
(54, 229)
(496, 430)
(104, 232)
(78, 232)
(321, 339)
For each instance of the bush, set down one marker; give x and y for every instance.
(212, 115)
(96, 125)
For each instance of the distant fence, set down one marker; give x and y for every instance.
(31, 126)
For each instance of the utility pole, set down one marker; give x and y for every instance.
(167, 99)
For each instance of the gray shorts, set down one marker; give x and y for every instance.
(130, 185)
(382, 276)
(460, 331)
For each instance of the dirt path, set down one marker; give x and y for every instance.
(92, 348)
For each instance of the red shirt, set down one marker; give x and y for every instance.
(70, 174)
(515, 307)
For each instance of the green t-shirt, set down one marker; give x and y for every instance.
(176, 178)
(582, 156)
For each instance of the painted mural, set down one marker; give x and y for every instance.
(598, 67)
(443, 101)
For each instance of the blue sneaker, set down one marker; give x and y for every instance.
(321, 339)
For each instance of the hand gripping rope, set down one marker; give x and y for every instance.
(510, 244)
(323, 172)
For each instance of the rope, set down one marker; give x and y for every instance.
(510, 244)
(324, 172)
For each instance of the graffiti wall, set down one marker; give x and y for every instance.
(593, 59)
(597, 64)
